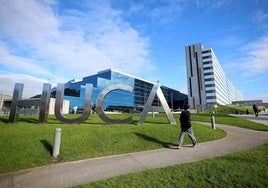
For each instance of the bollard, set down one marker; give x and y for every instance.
(213, 120)
(56, 145)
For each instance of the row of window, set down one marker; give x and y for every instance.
(207, 62)
(208, 56)
(209, 79)
(208, 73)
(211, 91)
(208, 68)
(211, 97)
(210, 85)
(206, 51)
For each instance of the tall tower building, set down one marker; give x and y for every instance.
(207, 82)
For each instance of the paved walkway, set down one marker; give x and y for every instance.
(78, 172)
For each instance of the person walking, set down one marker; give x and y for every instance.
(186, 127)
(256, 110)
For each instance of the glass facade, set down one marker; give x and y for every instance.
(119, 100)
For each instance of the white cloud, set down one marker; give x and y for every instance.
(28, 23)
(32, 86)
(230, 40)
(255, 61)
(165, 12)
(250, 61)
(261, 19)
(44, 41)
(210, 4)
(20, 64)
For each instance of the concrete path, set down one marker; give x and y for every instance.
(78, 172)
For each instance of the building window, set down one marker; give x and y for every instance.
(207, 62)
(209, 79)
(211, 91)
(206, 51)
(208, 68)
(208, 73)
(211, 97)
(208, 56)
(190, 84)
(210, 85)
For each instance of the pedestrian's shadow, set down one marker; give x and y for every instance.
(151, 139)
(48, 146)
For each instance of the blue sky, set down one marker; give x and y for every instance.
(56, 41)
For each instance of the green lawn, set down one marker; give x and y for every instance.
(230, 120)
(242, 169)
(29, 144)
(233, 109)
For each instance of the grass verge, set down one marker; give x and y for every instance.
(241, 169)
(28, 144)
(230, 120)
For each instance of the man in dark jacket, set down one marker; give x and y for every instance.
(186, 127)
(256, 110)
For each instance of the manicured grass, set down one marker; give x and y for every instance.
(232, 109)
(29, 144)
(230, 120)
(242, 169)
